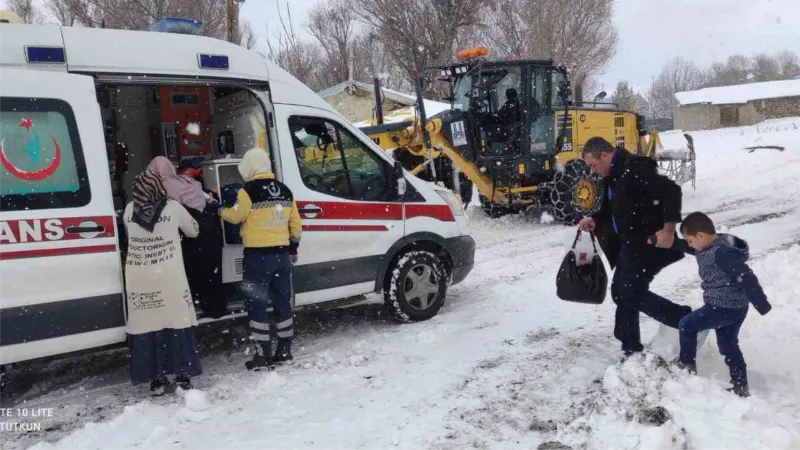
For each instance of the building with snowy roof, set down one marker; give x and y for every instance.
(356, 101)
(738, 105)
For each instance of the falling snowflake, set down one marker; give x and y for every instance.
(193, 128)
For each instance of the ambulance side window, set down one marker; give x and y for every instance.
(335, 162)
(43, 166)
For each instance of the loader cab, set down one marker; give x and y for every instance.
(509, 110)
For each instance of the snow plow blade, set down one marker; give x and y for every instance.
(676, 162)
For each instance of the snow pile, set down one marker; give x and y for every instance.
(196, 406)
(646, 403)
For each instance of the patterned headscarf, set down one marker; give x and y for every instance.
(149, 199)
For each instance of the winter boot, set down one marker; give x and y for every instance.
(691, 366)
(159, 387)
(283, 354)
(259, 363)
(183, 382)
(627, 354)
(740, 389)
(262, 360)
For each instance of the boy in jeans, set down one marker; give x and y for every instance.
(729, 286)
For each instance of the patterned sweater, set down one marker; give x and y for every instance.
(728, 282)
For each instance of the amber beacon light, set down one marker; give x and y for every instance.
(470, 53)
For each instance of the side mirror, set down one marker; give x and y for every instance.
(399, 179)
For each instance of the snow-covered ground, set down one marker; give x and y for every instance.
(505, 364)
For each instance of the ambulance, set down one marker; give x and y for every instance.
(84, 110)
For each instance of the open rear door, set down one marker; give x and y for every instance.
(60, 272)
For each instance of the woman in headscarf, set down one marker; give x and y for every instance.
(161, 318)
(203, 255)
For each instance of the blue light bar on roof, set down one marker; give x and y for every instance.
(219, 62)
(47, 55)
(176, 25)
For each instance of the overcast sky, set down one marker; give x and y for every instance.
(650, 31)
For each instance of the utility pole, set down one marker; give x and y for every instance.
(233, 20)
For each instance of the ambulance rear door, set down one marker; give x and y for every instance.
(61, 287)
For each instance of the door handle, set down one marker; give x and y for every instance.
(76, 230)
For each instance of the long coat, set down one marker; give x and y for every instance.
(155, 279)
(642, 201)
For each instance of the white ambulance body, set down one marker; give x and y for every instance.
(67, 94)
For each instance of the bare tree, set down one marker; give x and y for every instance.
(247, 37)
(677, 76)
(579, 34)
(420, 33)
(299, 58)
(790, 64)
(66, 12)
(741, 69)
(765, 68)
(506, 30)
(25, 9)
(140, 14)
(333, 25)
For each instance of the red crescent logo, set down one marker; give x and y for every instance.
(32, 176)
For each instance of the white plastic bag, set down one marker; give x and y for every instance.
(584, 250)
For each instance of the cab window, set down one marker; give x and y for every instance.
(334, 162)
(43, 166)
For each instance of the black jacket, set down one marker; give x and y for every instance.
(642, 201)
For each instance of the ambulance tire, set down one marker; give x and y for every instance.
(416, 286)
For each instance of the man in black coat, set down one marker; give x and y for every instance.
(638, 203)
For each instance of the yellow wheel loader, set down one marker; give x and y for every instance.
(506, 134)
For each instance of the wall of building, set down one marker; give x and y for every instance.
(708, 117)
(359, 105)
(774, 108)
(696, 117)
(749, 115)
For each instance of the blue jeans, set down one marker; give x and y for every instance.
(727, 322)
(267, 284)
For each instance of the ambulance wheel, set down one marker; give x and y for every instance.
(416, 287)
(576, 193)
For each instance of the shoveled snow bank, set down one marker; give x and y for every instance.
(700, 413)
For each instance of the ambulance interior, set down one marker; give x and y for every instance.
(178, 122)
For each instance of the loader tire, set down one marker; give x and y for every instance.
(576, 193)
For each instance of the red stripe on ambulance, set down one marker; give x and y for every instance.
(345, 228)
(55, 229)
(374, 211)
(46, 252)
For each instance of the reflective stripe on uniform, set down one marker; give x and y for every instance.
(259, 326)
